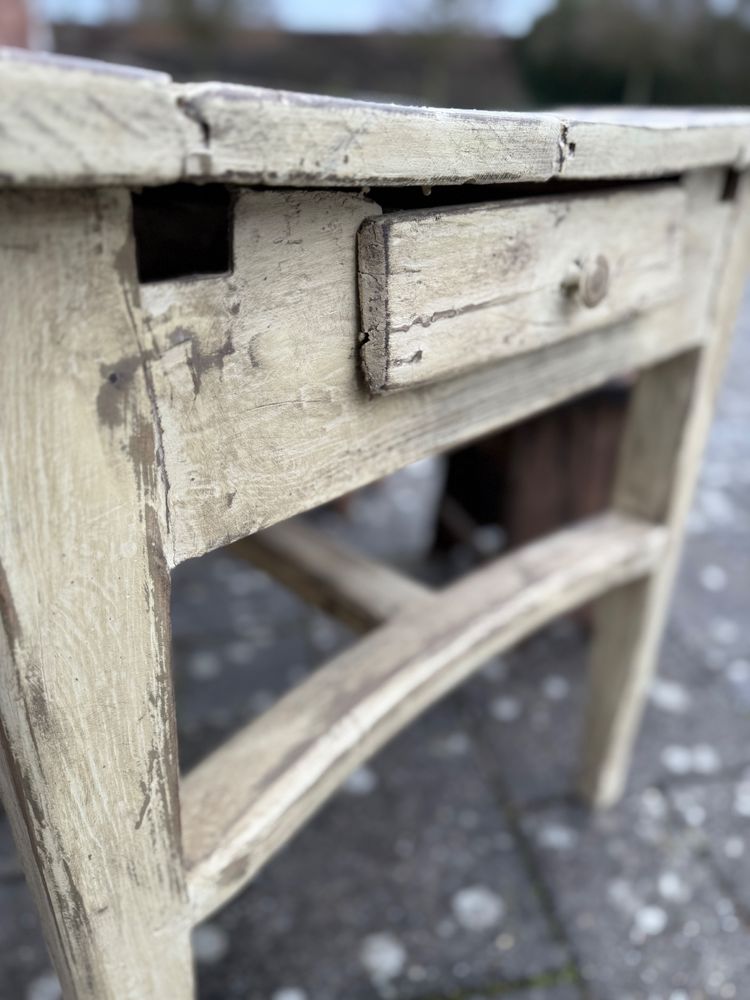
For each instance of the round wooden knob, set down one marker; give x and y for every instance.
(589, 280)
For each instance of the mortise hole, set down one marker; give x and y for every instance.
(731, 180)
(182, 231)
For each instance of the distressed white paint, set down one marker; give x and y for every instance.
(75, 122)
(87, 744)
(446, 290)
(246, 799)
(127, 447)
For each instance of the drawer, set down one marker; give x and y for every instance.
(445, 290)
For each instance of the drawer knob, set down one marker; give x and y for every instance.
(589, 280)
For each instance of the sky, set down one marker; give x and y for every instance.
(513, 17)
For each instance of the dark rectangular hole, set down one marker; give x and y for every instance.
(182, 231)
(731, 181)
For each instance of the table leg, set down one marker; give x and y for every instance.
(88, 763)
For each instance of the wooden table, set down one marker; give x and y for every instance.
(222, 306)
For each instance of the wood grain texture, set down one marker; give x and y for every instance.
(141, 427)
(634, 140)
(249, 797)
(76, 122)
(65, 122)
(254, 137)
(359, 591)
(659, 462)
(446, 290)
(88, 763)
(261, 401)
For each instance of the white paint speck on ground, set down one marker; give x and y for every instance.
(506, 709)
(204, 666)
(623, 896)
(383, 957)
(706, 759)
(649, 921)
(734, 847)
(289, 993)
(453, 745)
(44, 987)
(555, 688)
(555, 837)
(724, 631)
(505, 942)
(700, 759)
(653, 804)
(738, 671)
(210, 944)
(361, 782)
(673, 888)
(677, 759)
(717, 508)
(477, 908)
(694, 815)
(742, 798)
(240, 652)
(489, 539)
(713, 578)
(670, 696)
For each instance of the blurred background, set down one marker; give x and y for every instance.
(463, 53)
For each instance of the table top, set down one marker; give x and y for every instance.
(77, 122)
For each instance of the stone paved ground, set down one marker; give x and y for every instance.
(458, 864)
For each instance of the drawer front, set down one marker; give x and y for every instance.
(443, 291)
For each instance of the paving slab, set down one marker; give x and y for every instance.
(526, 711)
(409, 884)
(641, 904)
(565, 992)
(23, 956)
(716, 818)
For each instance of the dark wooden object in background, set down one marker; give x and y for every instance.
(534, 477)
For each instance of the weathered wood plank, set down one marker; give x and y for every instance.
(253, 137)
(66, 122)
(78, 122)
(249, 797)
(88, 761)
(604, 141)
(359, 591)
(261, 400)
(446, 290)
(664, 439)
